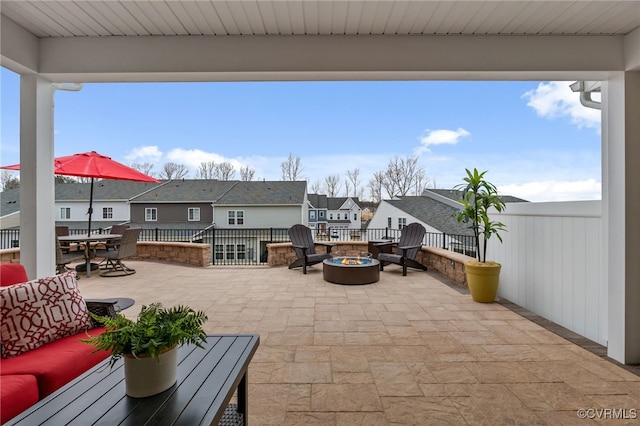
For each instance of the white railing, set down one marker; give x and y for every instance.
(553, 263)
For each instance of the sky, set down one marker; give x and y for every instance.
(533, 137)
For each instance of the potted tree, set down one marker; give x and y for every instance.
(149, 344)
(478, 196)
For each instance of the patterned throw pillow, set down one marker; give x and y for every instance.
(40, 311)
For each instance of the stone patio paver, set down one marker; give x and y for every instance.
(406, 350)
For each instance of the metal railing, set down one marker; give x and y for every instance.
(249, 246)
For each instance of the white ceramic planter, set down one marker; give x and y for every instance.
(145, 376)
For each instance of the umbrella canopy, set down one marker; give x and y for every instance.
(93, 165)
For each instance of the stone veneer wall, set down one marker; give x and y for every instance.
(195, 254)
(11, 255)
(448, 263)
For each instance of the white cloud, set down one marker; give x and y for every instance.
(555, 99)
(440, 137)
(143, 154)
(193, 157)
(552, 190)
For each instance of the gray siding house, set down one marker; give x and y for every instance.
(178, 204)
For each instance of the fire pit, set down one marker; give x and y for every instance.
(351, 269)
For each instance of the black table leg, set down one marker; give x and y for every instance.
(243, 397)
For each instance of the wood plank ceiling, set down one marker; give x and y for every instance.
(322, 17)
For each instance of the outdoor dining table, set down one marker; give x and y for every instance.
(86, 240)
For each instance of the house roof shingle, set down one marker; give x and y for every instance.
(435, 213)
(9, 201)
(455, 195)
(265, 193)
(186, 191)
(102, 190)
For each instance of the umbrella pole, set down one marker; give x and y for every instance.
(90, 211)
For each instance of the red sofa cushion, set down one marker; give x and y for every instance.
(12, 273)
(17, 393)
(57, 362)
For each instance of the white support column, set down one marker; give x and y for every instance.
(37, 193)
(621, 203)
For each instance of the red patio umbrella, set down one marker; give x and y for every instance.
(93, 165)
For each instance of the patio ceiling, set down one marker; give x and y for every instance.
(269, 40)
(355, 17)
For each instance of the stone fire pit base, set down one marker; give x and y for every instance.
(351, 274)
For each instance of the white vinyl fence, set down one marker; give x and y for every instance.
(553, 263)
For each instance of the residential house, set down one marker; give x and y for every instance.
(10, 209)
(436, 210)
(110, 202)
(243, 214)
(183, 204)
(317, 218)
(337, 214)
(261, 212)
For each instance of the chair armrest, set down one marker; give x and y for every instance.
(322, 243)
(328, 246)
(409, 247)
(405, 249)
(101, 309)
(384, 243)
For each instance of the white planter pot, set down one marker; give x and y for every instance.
(145, 376)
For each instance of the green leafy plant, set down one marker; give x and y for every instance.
(157, 329)
(478, 196)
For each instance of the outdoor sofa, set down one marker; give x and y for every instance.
(43, 322)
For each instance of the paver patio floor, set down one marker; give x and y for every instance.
(404, 351)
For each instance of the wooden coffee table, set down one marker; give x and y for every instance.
(207, 380)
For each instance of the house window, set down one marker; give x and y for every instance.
(389, 223)
(230, 252)
(402, 222)
(355, 216)
(65, 212)
(241, 250)
(330, 216)
(219, 251)
(235, 217)
(321, 214)
(312, 214)
(194, 214)
(151, 214)
(338, 216)
(107, 212)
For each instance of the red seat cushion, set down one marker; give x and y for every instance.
(12, 273)
(17, 393)
(56, 363)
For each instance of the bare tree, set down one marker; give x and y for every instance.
(291, 168)
(247, 173)
(376, 183)
(224, 171)
(401, 175)
(316, 187)
(347, 188)
(354, 178)
(145, 168)
(172, 170)
(206, 170)
(8, 181)
(67, 179)
(332, 185)
(422, 180)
